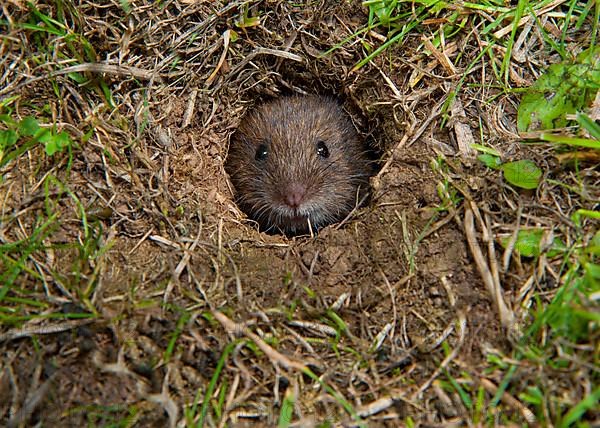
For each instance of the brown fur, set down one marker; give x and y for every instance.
(292, 130)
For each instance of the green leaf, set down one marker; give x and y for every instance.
(44, 135)
(523, 173)
(490, 161)
(63, 140)
(246, 21)
(56, 143)
(563, 89)
(464, 396)
(576, 216)
(125, 6)
(558, 247)
(7, 119)
(8, 138)
(593, 270)
(29, 126)
(592, 127)
(531, 243)
(528, 244)
(384, 11)
(51, 147)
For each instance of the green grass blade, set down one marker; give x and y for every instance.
(213, 382)
(575, 413)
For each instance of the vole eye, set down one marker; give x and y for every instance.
(322, 149)
(261, 152)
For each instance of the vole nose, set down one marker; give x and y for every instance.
(294, 194)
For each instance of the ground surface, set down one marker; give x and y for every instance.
(372, 307)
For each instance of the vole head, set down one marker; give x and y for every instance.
(297, 164)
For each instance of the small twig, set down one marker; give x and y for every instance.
(439, 224)
(229, 402)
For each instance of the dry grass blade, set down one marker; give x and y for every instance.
(275, 357)
(116, 70)
(440, 56)
(511, 401)
(493, 288)
(32, 403)
(166, 401)
(42, 330)
(264, 51)
(464, 136)
(226, 38)
(506, 30)
(462, 329)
